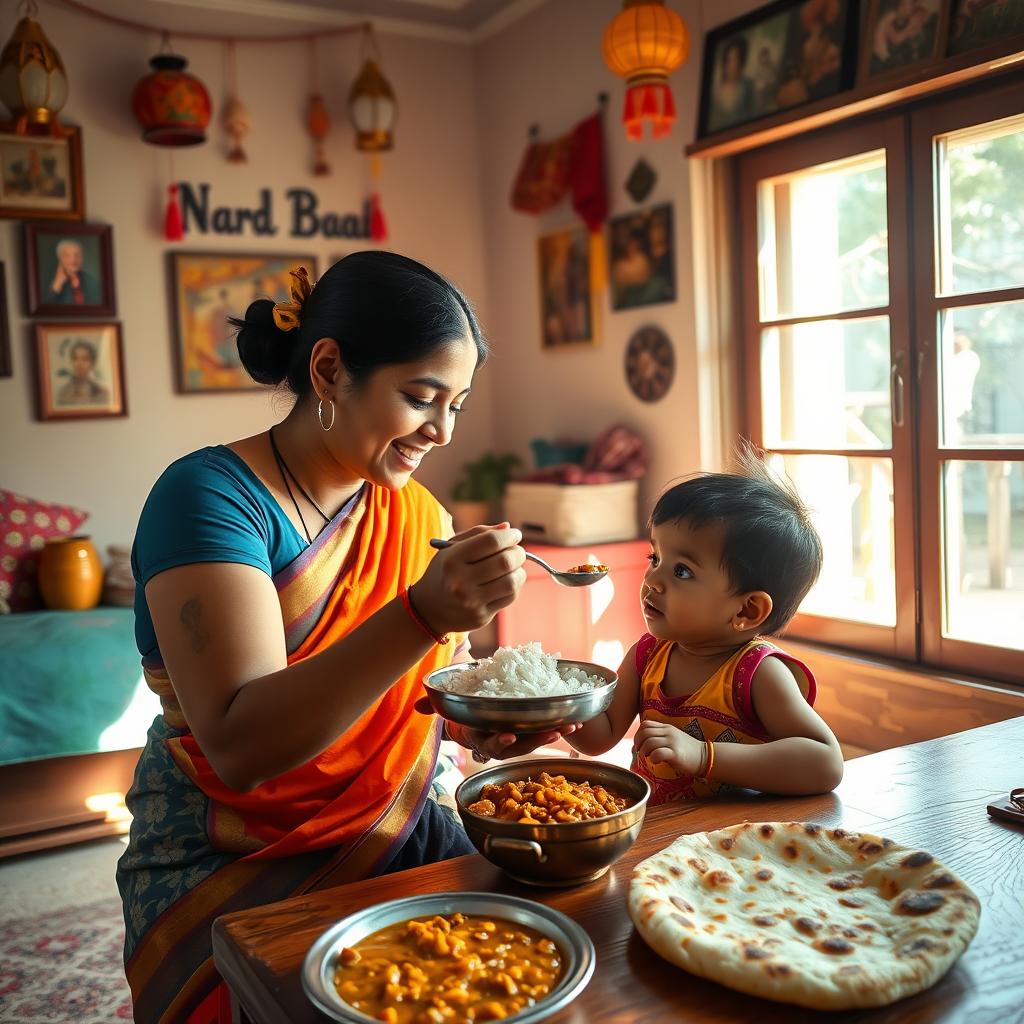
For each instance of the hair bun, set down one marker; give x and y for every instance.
(265, 350)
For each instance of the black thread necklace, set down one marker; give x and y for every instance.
(285, 473)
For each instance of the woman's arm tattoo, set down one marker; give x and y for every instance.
(191, 618)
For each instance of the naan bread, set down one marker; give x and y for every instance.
(801, 914)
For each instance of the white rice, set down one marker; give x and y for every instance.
(524, 671)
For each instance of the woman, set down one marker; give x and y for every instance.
(288, 605)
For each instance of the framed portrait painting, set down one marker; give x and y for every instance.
(641, 256)
(41, 175)
(977, 23)
(567, 316)
(901, 35)
(69, 269)
(208, 287)
(780, 56)
(79, 371)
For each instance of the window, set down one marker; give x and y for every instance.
(884, 356)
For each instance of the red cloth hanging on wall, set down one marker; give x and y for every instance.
(543, 176)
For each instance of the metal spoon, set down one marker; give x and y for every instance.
(567, 579)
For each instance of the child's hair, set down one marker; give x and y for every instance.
(769, 544)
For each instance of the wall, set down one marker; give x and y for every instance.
(553, 57)
(431, 195)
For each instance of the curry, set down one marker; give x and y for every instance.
(448, 970)
(548, 800)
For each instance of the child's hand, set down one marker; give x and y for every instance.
(662, 743)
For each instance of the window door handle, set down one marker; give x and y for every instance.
(896, 385)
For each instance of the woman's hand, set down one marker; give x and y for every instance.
(467, 583)
(502, 745)
(661, 743)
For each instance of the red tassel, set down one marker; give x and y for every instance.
(649, 106)
(174, 230)
(378, 225)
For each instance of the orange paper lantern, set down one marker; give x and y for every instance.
(644, 44)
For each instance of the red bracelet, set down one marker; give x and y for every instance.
(438, 638)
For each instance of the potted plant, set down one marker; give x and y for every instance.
(479, 488)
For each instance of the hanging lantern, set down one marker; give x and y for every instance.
(644, 44)
(33, 83)
(318, 123)
(234, 118)
(371, 103)
(236, 122)
(172, 106)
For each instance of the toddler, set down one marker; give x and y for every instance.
(732, 556)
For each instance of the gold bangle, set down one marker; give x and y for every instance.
(709, 761)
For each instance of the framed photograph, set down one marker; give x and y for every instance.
(80, 371)
(208, 287)
(40, 175)
(567, 316)
(6, 370)
(780, 56)
(978, 22)
(901, 35)
(69, 270)
(641, 258)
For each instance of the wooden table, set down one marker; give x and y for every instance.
(930, 795)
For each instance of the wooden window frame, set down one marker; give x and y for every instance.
(888, 133)
(941, 116)
(906, 135)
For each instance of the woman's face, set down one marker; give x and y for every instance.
(388, 425)
(81, 361)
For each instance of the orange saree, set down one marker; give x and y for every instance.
(199, 849)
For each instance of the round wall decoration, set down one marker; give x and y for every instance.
(650, 364)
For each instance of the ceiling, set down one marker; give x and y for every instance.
(465, 21)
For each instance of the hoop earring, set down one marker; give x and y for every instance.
(320, 414)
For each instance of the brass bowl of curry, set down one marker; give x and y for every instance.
(559, 942)
(555, 852)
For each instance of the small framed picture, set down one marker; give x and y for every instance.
(41, 175)
(80, 371)
(976, 23)
(208, 287)
(779, 56)
(641, 257)
(901, 35)
(6, 369)
(567, 316)
(69, 270)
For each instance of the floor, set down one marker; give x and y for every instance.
(38, 883)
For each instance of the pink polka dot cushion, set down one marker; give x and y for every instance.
(25, 527)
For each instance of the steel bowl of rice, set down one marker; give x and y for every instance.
(520, 689)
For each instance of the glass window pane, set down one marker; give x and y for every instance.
(851, 505)
(981, 381)
(983, 513)
(826, 384)
(980, 214)
(823, 239)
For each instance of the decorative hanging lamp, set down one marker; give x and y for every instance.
(172, 106)
(318, 121)
(373, 109)
(644, 44)
(234, 118)
(372, 106)
(33, 82)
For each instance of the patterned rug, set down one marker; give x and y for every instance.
(65, 966)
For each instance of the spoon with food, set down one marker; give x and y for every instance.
(578, 576)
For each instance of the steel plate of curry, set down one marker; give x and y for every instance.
(450, 968)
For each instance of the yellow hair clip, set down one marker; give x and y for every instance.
(288, 315)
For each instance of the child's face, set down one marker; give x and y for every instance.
(687, 595)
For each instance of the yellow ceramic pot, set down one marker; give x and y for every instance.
(70, 574)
